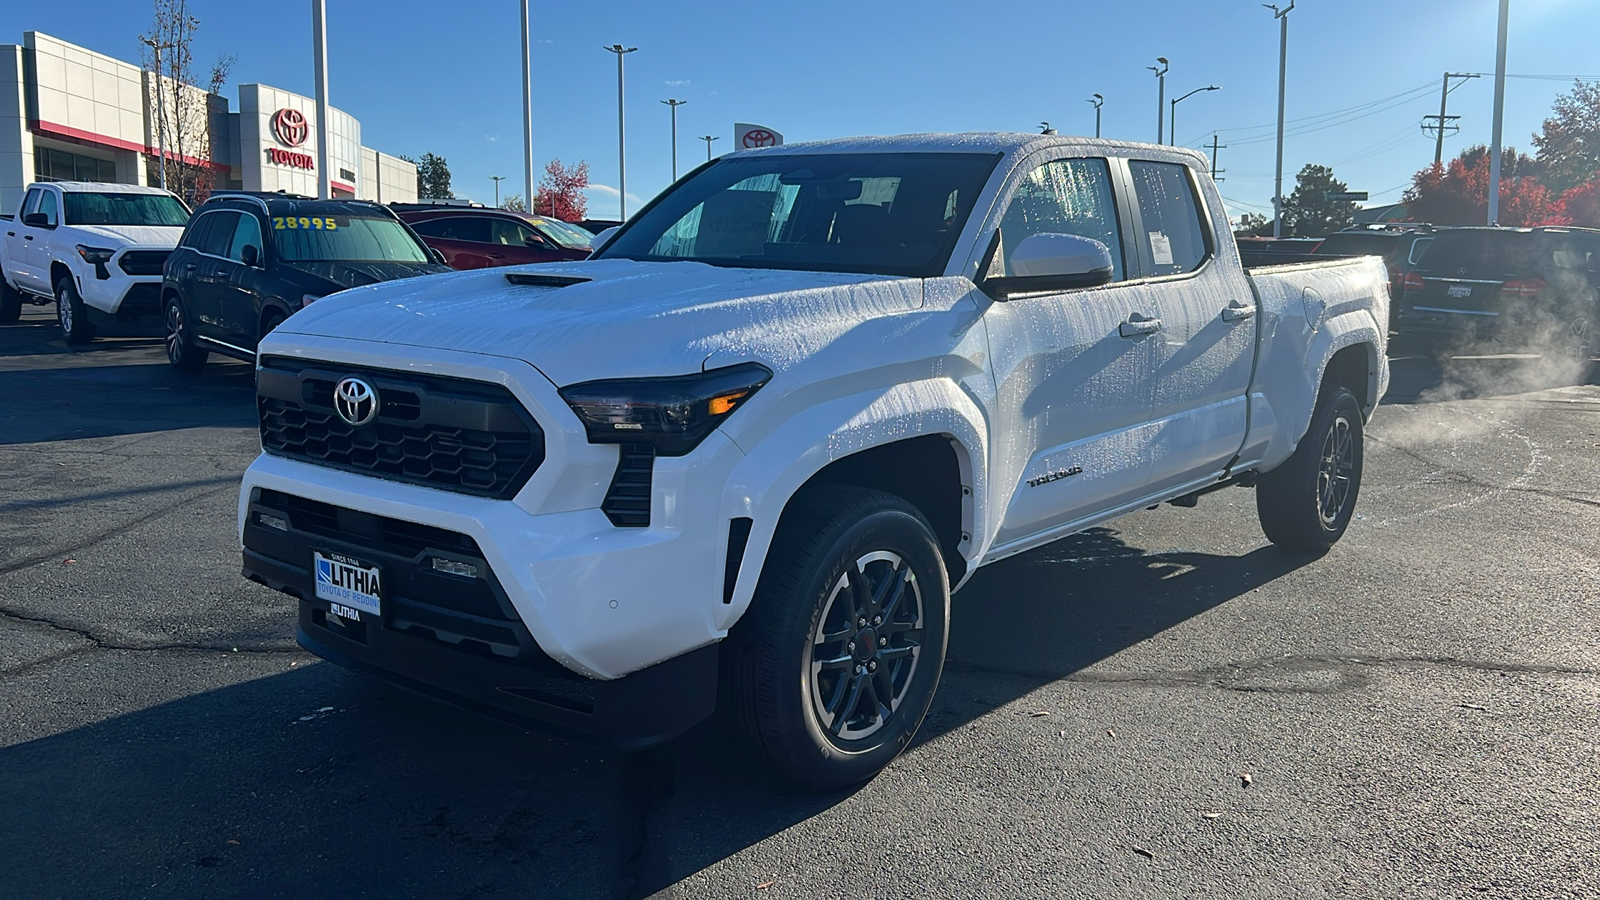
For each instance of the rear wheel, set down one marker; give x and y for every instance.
(1306, 503)
(182, 352)
(833, 667)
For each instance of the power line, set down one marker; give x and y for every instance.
(1426, 88)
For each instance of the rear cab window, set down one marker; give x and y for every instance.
(1173, 238)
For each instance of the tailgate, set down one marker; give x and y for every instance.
(1457, 295)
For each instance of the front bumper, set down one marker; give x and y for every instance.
(458, 639)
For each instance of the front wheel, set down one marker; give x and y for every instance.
(184, 354)
(1306, 503)
(71, 314)
(10, 301)
(833, 667)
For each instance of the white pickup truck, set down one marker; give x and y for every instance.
(742, 457)
(95, 250)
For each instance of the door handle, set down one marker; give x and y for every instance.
(189, 267)
(1138, 326)
(27, 237)
(1237, 313)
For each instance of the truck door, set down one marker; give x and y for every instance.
(1073, 369)
(202, 271)
(1205, 350)
(19, 238)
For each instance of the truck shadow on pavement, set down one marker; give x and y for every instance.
(311, 781)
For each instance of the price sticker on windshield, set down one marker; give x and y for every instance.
(304, 223)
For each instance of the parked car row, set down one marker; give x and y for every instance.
(226, 274)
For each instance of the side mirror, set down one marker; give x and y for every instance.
(1054, 262)
(437, 256)
(37, 220)
(250, 255)
(603, 238)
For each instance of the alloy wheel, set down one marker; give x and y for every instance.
(866, 646)
(64, 310)
(1335, 470)
(174, 333)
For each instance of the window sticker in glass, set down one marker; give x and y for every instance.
(1171, 214)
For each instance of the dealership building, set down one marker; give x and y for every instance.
(70, 114)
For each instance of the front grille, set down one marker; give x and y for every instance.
(464, 436)
(143, 262)
(140, 300)
(474, 614)
(627, 502)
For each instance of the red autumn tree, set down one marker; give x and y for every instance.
(561, 192)
(1581, 205)
(1458, 194)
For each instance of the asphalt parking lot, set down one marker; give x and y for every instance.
(1166, 707)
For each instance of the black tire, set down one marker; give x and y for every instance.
(803, 715)
(10, 301)
(270, 322)
(1306, 503)
(71, 314)
(184, 354)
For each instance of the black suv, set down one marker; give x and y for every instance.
(1529, 287)
(248, 261)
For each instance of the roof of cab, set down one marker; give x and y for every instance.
(107, 187)
(1014, 144)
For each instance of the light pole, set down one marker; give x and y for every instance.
(161, 115)
(319, 71)
(1282, 15)
(708, 138)
(1173, 130)
(1098, 102)
(674, 104)
(1161, 97)
(497, 179)
(1499, 114)
(527, 115)
(622, 134)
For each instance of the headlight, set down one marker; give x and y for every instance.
(96, 255)
(673, 414)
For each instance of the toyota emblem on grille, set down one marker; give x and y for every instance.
(355, 401)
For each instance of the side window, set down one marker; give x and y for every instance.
(197, 227)
(30, 203)
(246, 234)
(1066, 196)
(513, 234)
(456, 228)
(47, 205)
(215, 238)
(1174, 235)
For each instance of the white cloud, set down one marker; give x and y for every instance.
(491, 138)
(544, 42)
(679, 82)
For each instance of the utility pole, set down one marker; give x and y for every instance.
(708, 138)
(1098, 102)
(527, 116)
(674, 104)
(1443, 120)
(161, 114)
(1282, 15)
(622, 134)
(1499, 114)
(497, 179)
(319, 57)
(1161, 98)
(1216, 172)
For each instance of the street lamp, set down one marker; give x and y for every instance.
(622, 134)
(497, 179)
(1282, 15)
(1098, 102)
(1161, 97)
(708, 138)
(674, 104)
(1174, 129)
(161, 116)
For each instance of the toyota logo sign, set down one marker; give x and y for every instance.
(355, 401)
(290, 126)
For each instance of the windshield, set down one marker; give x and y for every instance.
(879, 213)
(562, 233)
(1486, 255)
(345, 239)
(123, 209)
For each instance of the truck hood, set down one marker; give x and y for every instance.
(132, 235)
(629, 319)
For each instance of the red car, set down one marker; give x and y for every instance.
(476, 237)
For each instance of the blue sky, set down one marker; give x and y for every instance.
(444, 77)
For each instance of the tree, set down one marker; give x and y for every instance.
(433, 177)
(1569, 142)
(514, 203)
(183, 119)
(1581, 205)
(1308, 210)
(561, 192)
(1254, 223)
(1458, 194)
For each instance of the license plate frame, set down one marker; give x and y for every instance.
(1460, 291)
(349, 585)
